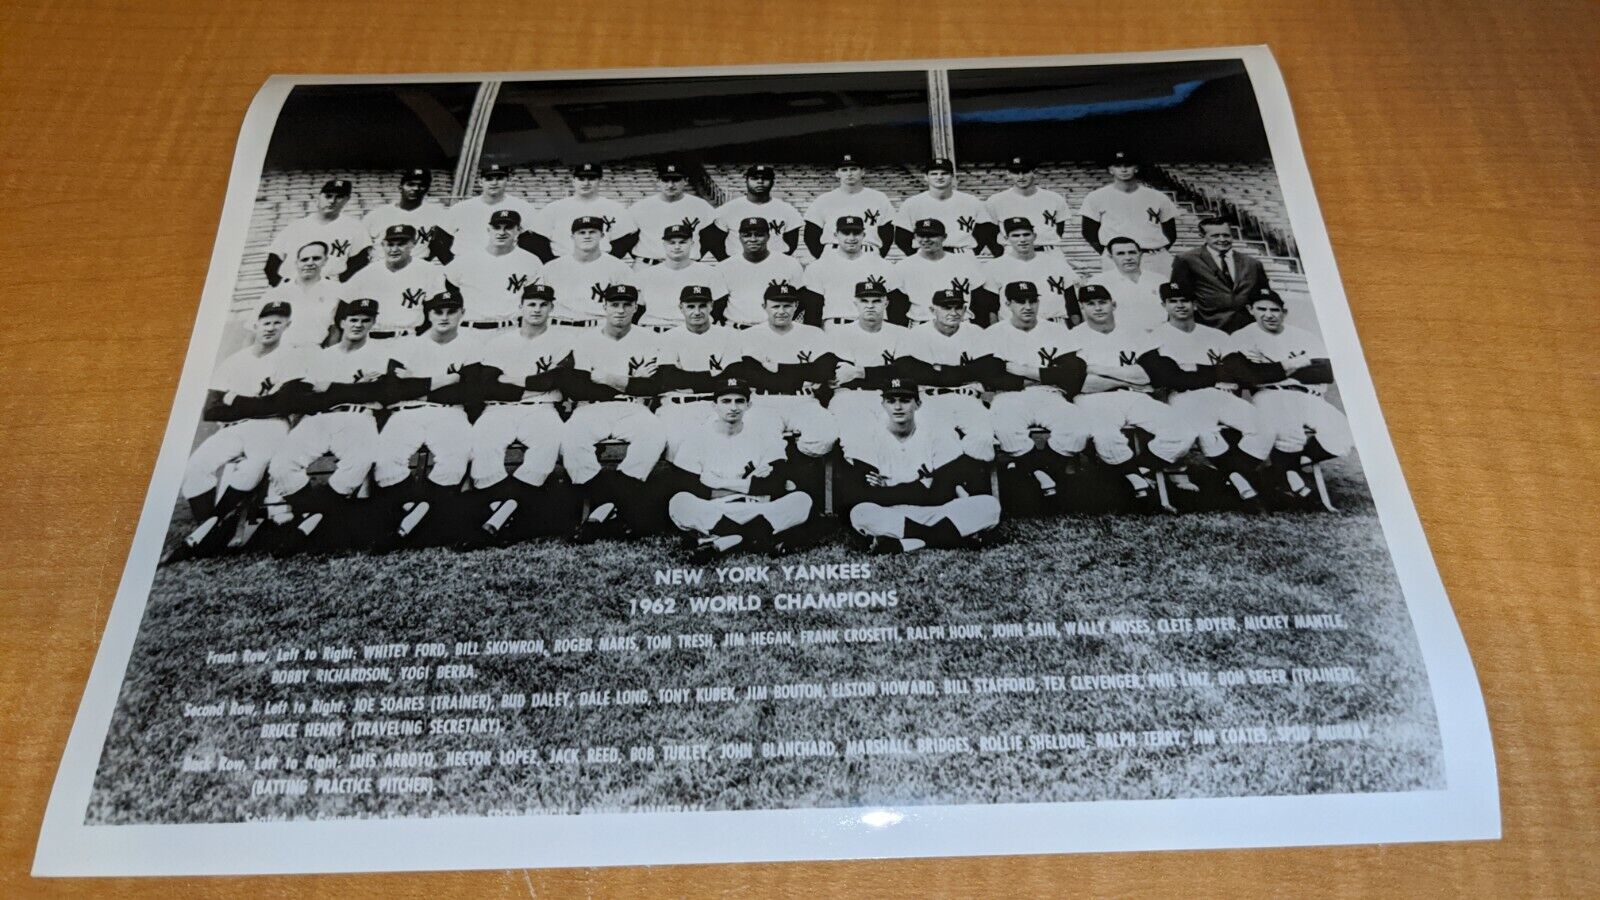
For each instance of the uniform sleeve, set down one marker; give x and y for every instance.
(906, 217)
(815, 278)
(1169, 209)
(1092, 208)
(625, 225)
(979, 211)
(815, 214)
(691, 456)
(280, 242)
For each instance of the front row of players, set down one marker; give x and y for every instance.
(743, 420)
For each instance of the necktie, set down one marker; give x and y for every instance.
(1227, 277)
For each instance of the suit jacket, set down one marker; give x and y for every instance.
(1216, 305)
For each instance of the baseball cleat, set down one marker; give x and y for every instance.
(279, 513)
(1297, 484)
(1141, 486)
(309, 524)
(1183, 482)
(1242, 485)
(1047, 485)
(502, 514)
(711, 548)
(201, 532)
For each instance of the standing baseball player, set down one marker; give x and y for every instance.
(951, 360)
(581, 277)
(867, 348)
(726, 237)
(1136, 288)
(964, 217)
(1056, 279)
(933, 268)
(1184, 361)
(1129, 208)
(412, 207)
(345, 237)
(615, 367)
(848, 262)
(1026, 200)
(753, 271)
(661, 286)
(400, 284)
(311, 296)
(492, 271)
(470, 217)
(252, 423)
(907, 483)
(854, 200)
(1116, 395)
(618, 232)
(1288, 373)
(671, 206)
(741, 497)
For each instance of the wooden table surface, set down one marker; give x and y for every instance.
(1453, 146)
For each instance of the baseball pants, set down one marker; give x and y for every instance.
(612, 420)
(537, 425)
(802, 416)
(691, 513)
(970, 515)
(968, 416)
(350, 436)
(444, 430)
(1111, 411)
(250, 443)
(1289, 415)
(1015, 414)
(1208, 410)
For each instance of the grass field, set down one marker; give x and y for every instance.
(1058, 569)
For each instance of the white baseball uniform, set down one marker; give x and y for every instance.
(414, 424)
(1210, 409)
(748, 281)
(1137, 214)
(780, 216)
(1293, 411)
(958, 407)
(1111, 411)
(597, 352)
(248, 443)
(903, 461)
(1138, 300)
(872, 206)
(555, 221)
(801, 414)
(921, 276)
(728, 458)
(399, 292)
(1046, 209)
(1050, 273)
(349, 432)
(533, 420)
(860, 406)
(344, 235)
(1015, 413)
(684, 412)
(960, 212)
(430, 214)
(835, 276)
(468, 219)
(311, 308)
(654, 213)
(661, 286)
(491, 283)
(580, 285)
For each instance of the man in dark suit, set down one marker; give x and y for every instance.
(1219, 278)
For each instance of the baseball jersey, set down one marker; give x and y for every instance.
(920, 277)
(661, 286)
(579, 285)
(709, 351)
(653, 214)
(781, 217)
(246, 373)
(960, 212)
(425, 218)
(872, 206)
(1136, 214)
(519, 357)
(1118, 347)
(468, 220)
(711, 452)
(864, 348)
(1138, 302)
(310, 309)
(1204, 346)
(800, 344)
(424, 357)
(491, 285)
(345, 237)
(1290, 343)
(834, 276)
(747, 283)
(1049, 271)
(399, 292)
(903, 461)
(1044, 208)
(596, 352)
(337, 365)
(1036, 346)
(929, 344)
(555, 221)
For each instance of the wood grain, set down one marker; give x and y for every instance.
(1453, 148)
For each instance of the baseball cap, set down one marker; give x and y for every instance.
(361, 306)
(1123, 158)
(423, 175)
(940, 164)
(1019, 164)
(1021, 290)
(694, 293)
(725, 386)
(624, 293)
(754, 225)
(494, 170)
(1093, 291)
(1016, 223)
(949, 297)
(667, 171)
(338, 186)
(850, 225)
(900, 387)
(848, 159)
(273, 308)
(675, 231)
(442, 300)
(760, 170)
(583, 223)
(1268, 294)
(929, 228)
(588, 170)
(539, 292)
(505, 217)
(872, 287)
(781, 292)
(400, 233)
(1171, 290)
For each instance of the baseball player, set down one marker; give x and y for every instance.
(756, 268)
(1041, 375)
(345, 380)
(400, 284)
(794, 361)
(1184, 361)
(1116, 394)
(470, 217)
(618, 232)
(1288, 372)
(661, 286)
(726, 237)
(581, 277)
(615, 366)
(950, 361)
(1135, 287)
(742, 496)
(1056, 279)
(845, 264)
(492, 272)
(907, 484)
(412, 207)
(851, 199)
(1026, 200)
(690, 361)
(670, 206)
(244, 399)
(866, 347)
(933, 268)
(346, 238)
(964, 217)
(310, 295)
(1128, 208)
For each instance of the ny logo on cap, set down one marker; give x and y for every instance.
(733, 382)
(895, 382)
(1016, 160)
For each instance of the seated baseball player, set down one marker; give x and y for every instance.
(867, 347)
(834, 276)
(691, 360)
(340, 419)
(907, 484)
(1116, 395)
(246, 400)
(786, 362)
(950, 359)
(755, 269)
(1288, 373)
(661, 286)
(741, 497)
(1041, 376)
(491, 271)
(1183, 361)
(613, 380)
(580, 278)
(400, 282)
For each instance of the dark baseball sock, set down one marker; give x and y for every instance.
(231, 499)
(202, 507)
(757, 532)
(942, 533)
(726, 526)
